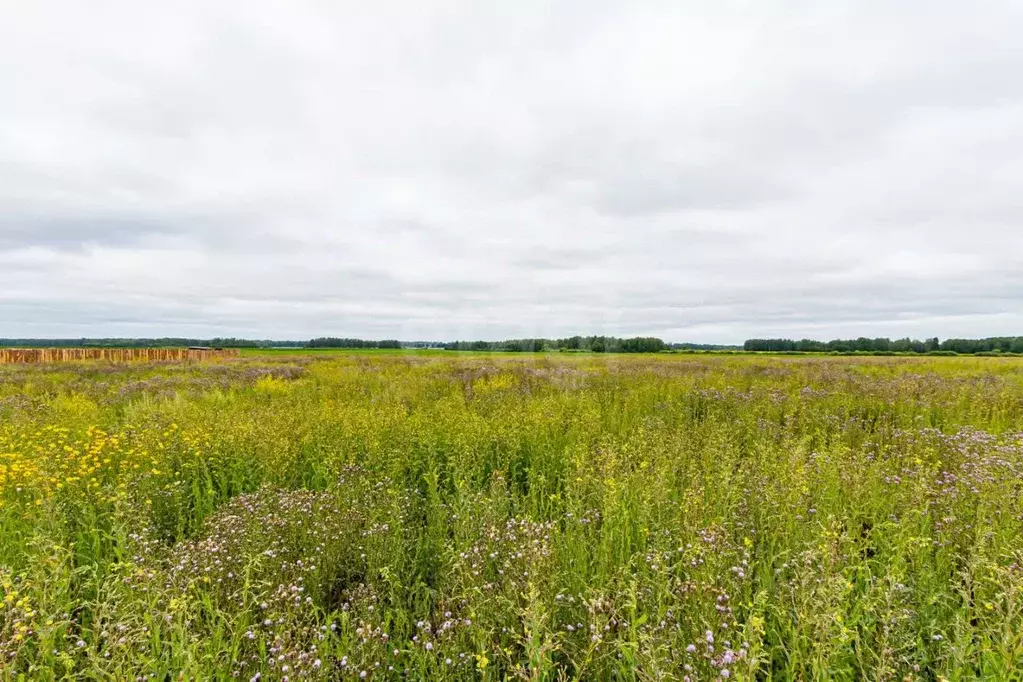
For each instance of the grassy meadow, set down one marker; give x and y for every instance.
(345, 516)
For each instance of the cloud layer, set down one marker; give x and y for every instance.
(703, 171)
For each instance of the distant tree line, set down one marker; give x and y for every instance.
(702, 346)
(1003, 344)
(592, 344)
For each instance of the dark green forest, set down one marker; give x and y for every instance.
(592, 344)
(999, 344)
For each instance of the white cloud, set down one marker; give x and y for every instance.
(702, 170)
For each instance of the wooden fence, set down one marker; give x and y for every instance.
(45, 355)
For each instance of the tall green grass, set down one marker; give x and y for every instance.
(428, 516)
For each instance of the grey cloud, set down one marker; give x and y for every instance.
(79, 233)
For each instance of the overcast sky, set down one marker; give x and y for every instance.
(700, 171)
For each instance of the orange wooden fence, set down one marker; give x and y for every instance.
(43, 355)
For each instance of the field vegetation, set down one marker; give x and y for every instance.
(475, 516)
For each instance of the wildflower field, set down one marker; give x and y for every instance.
(461, 517)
